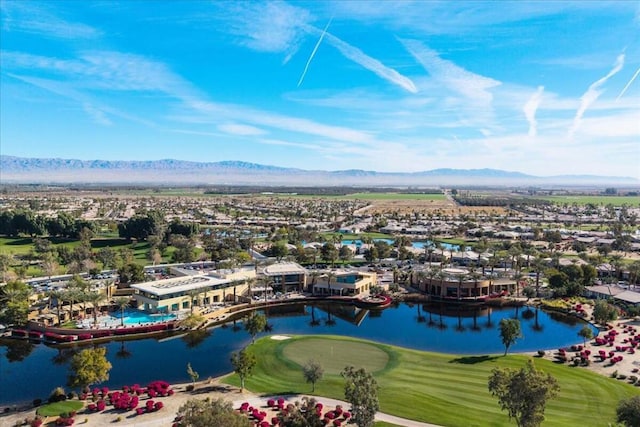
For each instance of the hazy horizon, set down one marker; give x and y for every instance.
(541, 88)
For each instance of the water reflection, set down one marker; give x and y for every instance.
(434, 327)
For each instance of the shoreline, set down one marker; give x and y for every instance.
(214, 387)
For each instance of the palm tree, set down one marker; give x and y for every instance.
(538, 266)
(250, 282)
(59, 296)
(314, 277)
(475, 276)
(193, 296)
(71, 296)
(441, 276)
(122, 303)
(95, 298)
(330, 275)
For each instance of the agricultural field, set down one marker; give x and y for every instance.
(443, 389)
(595, 200)
(395, 196)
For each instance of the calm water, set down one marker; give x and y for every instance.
(135, 317)
(28, 371)
(416, 245)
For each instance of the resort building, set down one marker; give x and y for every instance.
(450, 283)
(345, 283)
(180, 293)
(283, 277)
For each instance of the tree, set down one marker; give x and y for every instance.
(14, 303)
(301, 414)
(523, 393)
(361, 390)
(329, 253)
(243, 363)
(192, 374)
(207, 413)
(131, 273)
(95, 298)
(585, 333)
(529, 292)
(122, 303)
(90, 366)
(6, 260)
(604, 312)
(279, 250)
(510, 331)
(345, 253)
(312, 372)
(628, 412)
(255, 324)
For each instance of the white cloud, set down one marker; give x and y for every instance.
(96, 114)
(238, 129)
(372, 64)
(472, 86)
(593, 93)
(279, 27)
(273, 26)
(530, 109)
(28, 17)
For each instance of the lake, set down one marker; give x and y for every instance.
(29, 371)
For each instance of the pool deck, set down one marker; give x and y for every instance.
(108, 321)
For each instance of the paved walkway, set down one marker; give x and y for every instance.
(261, 402)
(332, 403)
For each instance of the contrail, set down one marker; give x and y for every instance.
(628, 84)
(313, 53)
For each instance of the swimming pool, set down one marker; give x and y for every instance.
(136, 317)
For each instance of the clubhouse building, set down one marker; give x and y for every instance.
(179, 293)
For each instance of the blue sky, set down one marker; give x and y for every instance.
(543, 87)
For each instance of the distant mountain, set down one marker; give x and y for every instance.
(174, 172)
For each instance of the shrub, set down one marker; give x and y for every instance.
(37, 422)
(58, 394)
(614, 374)
(541, 353)
(37, 402)
(622, 377)
(190, 387)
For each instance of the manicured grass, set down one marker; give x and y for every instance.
(444, 389)
(57, 408)
(335, 355)
(596, 200)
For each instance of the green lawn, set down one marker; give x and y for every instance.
(335, 355)
(443, 389)
(596, 200)
(57, 408)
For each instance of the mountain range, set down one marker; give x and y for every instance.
(174, 172)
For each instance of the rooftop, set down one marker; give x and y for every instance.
(283, 268)
(178, 285)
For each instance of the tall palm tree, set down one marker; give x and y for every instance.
(250, 282)
(95, 298)
(538, 266)
(314, 278)
(71, 296)
(330, 275)
(193, 296)
(441, 276)
(121, 303)
(59, 295)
